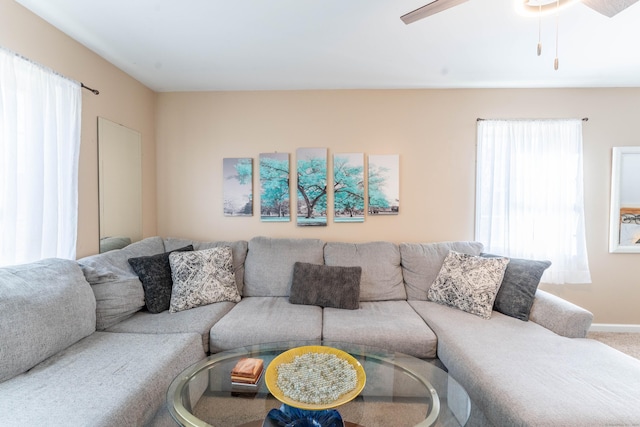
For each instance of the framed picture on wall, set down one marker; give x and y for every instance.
(274, 187)
(630, 227)
(237, 186)
(624, 231)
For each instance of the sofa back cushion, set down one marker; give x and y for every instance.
(45, 307)
(268, 269)
(380, 262)
(421, 263)
(117, 288)
(117, 261)
(238, 251)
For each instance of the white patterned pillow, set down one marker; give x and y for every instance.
(469, 283)
(201, 278)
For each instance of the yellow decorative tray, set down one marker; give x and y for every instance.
(271, 376)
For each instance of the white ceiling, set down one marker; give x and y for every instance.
(193, 45)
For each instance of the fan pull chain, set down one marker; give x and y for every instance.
(539, 29)
(555, 62)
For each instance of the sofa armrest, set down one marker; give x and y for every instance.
(559, 315)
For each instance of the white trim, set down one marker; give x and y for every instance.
(612, 327)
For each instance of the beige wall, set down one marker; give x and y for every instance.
(122, 100)
(434, 131)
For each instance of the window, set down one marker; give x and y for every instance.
(529, 195)
(39, 146)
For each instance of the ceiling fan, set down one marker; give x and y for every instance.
(606, 7)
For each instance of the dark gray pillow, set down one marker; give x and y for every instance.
(155, 274)
(326, 286)
(519, 285)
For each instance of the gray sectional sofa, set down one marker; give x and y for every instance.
(78, 347)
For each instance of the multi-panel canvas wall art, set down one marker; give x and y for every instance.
(348, 187)
(312, 186)
(274, 187)
(384, 184)
(237, 186)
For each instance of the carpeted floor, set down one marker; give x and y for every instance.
(626, 342)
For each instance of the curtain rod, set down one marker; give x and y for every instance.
(584, 119)
(94, 91)
(51, 70)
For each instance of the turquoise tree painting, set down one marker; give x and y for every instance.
(274, 187)
(384, 184)
(238, 186)
(348, 187)
(312, 186)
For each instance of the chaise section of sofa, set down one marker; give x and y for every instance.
(45, 307)
(105, 379)
(520, 373)
(56, 370)
(524, 373)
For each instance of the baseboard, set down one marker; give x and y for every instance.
(612, 327)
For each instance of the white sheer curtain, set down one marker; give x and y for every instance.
(529, 195)
(40, 113)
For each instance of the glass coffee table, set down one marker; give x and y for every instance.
(400, 390)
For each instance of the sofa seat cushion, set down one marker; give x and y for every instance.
(506, 364)
(105, 379)
(269, 264)
(421, 263)
(198, 320)
(259, 320)
(380, 262)
(45, 307)
(392, 325)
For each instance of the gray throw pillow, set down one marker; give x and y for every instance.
(202, 277)
(519, 285)
(326, 286)
(155, 274)
(469, 283)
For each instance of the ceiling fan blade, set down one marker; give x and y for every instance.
(609, 7)
(435, 7)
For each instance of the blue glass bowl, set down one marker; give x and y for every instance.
(288, 416)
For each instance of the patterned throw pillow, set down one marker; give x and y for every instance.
(469, 283)
(201, 278)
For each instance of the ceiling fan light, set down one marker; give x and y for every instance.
(537, 8)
